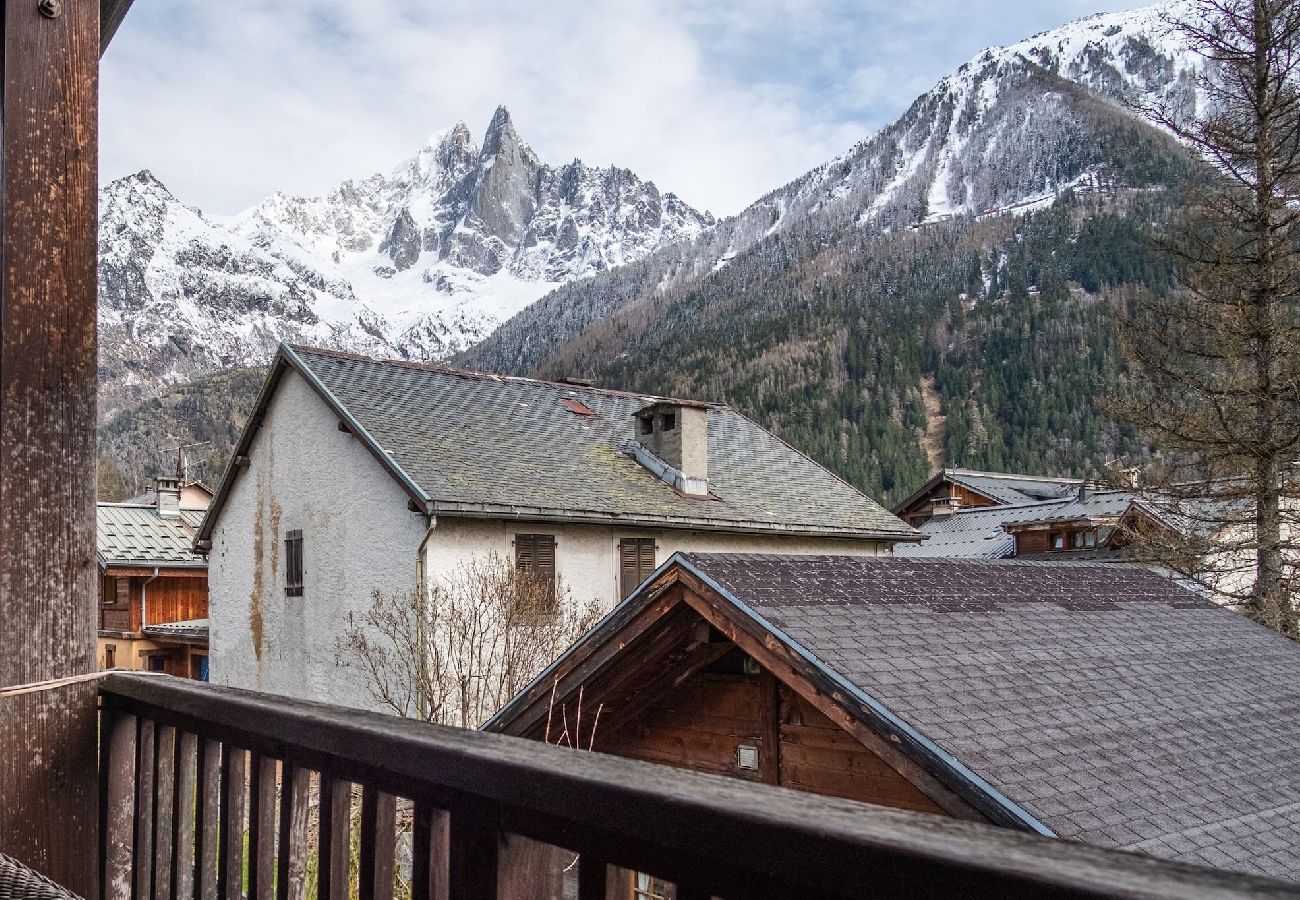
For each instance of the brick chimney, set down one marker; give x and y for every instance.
(672, 440)
(168, 490)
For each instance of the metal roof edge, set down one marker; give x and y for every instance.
(285, 358)
(358, 430)
(967, 781)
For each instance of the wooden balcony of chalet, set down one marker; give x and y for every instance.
(136, 786)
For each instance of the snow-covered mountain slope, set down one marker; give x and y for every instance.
(421, 262)
(1007, 131)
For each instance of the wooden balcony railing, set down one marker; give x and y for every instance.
(210, 792)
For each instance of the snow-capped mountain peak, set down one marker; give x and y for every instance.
(419, 262)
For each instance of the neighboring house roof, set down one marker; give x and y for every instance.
(194, 629)
(1099, 703)
(1000, 487)
(980, 532)
(131, 534)
(474, 444)
(150, 497)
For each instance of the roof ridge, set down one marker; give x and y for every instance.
(1015, 476)
(445, 369)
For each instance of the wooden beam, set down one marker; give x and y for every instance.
(48, 244)
(692, 660)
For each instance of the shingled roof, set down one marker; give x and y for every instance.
(1106, 702)
(978, 532)
(1001, 487)
(476, 444)
(131, 534)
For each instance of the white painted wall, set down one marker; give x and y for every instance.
(586, 556)
(358, 536)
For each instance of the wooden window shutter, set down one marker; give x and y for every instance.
(122, 592)
(293, 580)
(636, 560)
(535, 555)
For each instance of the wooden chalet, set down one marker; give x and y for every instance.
(970, 690)
(950, 490)
(153, 600)
(125, 786)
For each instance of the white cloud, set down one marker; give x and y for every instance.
(720, 103)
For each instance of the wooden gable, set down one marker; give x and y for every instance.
(683, 680)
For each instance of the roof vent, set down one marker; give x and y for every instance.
(672, 440)
(747, 757)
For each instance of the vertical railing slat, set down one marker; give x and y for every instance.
(118, 773)
(163, 810)
(230, 875)
(291, 879)
(378, 839)
(261, 828)
(429, 853)
(205, 824)
(183, 818)
(144, 779)
(593, 875)
(473, 855)
(334, 838)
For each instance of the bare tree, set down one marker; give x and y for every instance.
(456, 651)
(1215, 364)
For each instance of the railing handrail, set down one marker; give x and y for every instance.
(667, 820)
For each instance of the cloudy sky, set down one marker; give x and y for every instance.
(717, 101)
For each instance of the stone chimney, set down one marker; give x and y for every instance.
(672, 440)
(169, 496)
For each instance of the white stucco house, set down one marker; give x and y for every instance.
(355, 475)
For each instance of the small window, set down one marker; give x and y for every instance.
(110, 656)
(646, 425)
(667, 422)
(293, 564)
(535, 558)
(1056, 540)
(647, 887)
(636, 560)
(157, 663)
(199, 666)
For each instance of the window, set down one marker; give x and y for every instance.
(636, 560)
(110, 656)
(1056, 540)
(667, 422)
(535, 558)
(1083, 540)
(293, 564)
(646, 424)
(647, 887)
(199, 666)
(157, 663)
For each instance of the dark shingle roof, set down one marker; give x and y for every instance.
(977, 532)
(475, 443)
(133, 535)
(1110, 704)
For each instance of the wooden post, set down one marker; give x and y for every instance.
(48, 243)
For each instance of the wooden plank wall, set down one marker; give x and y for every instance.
(699, 725)
(174, 599)
(48, 150)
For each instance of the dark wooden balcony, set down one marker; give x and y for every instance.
(217, 793)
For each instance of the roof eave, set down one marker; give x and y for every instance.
(449, 509)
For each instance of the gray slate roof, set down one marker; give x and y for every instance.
(130, 534)
(977, 532)
(187, 628)
(485, 444)
(1014, 488)
(1110, 704)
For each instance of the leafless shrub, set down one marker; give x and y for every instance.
(456, 651)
